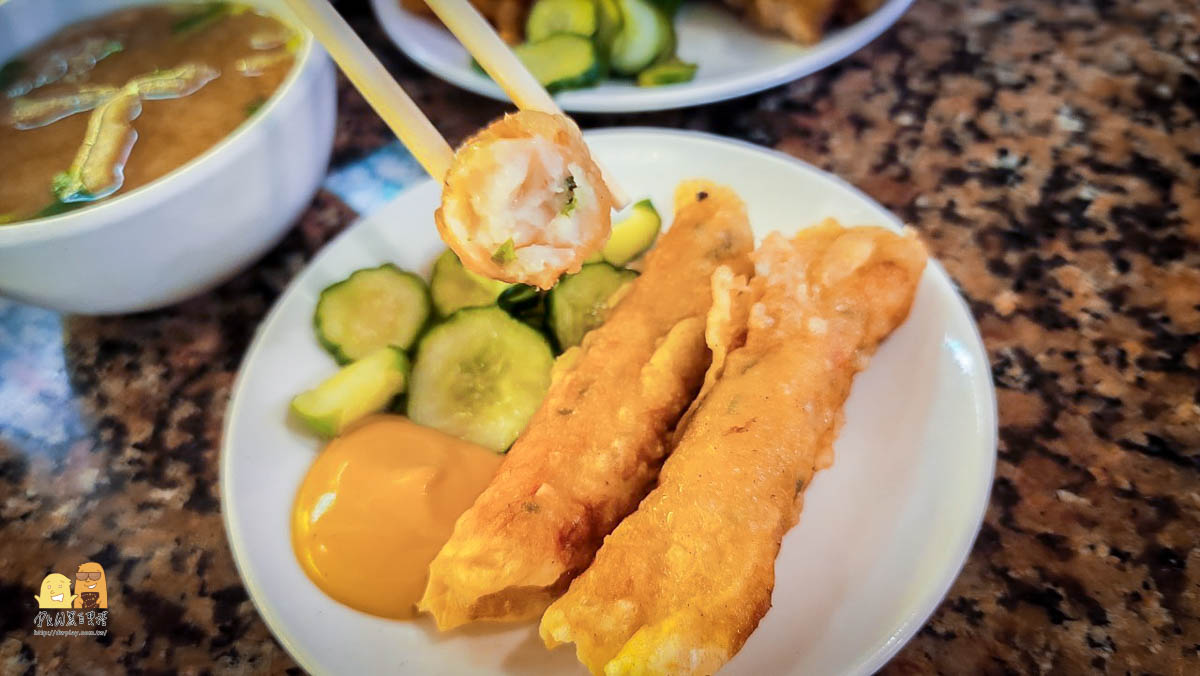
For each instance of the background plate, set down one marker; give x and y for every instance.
(883, 533)
(735, 59)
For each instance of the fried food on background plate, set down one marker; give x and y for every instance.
(508, 16)
(683, 581)
(594, 448)
(853, 10)
(801, 20)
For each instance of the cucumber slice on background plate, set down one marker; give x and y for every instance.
(562, 61)
(608, 24)
(479, 376)
(548, 17)
(579, 302)
(671, 71)
(360, 388)
(646, 36)
(633, 236)
(454, 287)
(669, 7)
(370, 309)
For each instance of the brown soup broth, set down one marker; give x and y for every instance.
(241, 57)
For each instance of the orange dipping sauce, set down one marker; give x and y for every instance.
(377, 505)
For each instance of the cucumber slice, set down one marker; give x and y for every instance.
(370, 309)
(672, 71)
(362, 387)
(579, 303)
(646, 35)
(479, 376)
(525, 303)
(562, 61)
(454, 287)
(633, 236)
(519, 298)
(548, 17)
(608, 24)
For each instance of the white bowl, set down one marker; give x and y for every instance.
(191, 229)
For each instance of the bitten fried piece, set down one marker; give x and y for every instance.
(802, 20)
(595, 446)
(523, 200)
(680, 584)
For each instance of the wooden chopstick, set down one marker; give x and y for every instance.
(376, 85)
(499, 61)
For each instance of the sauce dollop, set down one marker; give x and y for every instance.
(377, 505)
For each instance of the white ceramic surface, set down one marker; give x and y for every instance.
(735, 59)
(190, 229)
(883, 533)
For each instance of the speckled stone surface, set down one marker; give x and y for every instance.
(1049, 153)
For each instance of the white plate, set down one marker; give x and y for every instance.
(883, 533)
(735, 59)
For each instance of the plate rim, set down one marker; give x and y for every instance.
(841, 45)
(986, 408)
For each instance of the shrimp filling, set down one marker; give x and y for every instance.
(527, 202)
(524, 201)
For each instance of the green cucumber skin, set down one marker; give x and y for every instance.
(666, 52)
(668, 73)
(526, 303)
(519, 298)
(555, 308)
(593, 73)
(608, 25)
(332, 424)
(632, 49)
(669, 7)
(620, 256)
(334, 348)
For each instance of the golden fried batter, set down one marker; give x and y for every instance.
(508, 16)
(592, 450)
(853, 10)
(802, 20)
(680, 584)
(724, 330)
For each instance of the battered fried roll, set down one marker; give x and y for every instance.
(508, 16)
(680, 584)
(595, 446)
(854, 10)
(802, 20)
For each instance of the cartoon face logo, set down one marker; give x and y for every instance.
(91, 589)
(56, 592)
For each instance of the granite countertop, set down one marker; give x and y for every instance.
(1049, 153)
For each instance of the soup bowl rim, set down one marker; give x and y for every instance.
(192, 172)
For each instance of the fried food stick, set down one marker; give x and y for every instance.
(683, 581)
(508, 16)
(801, 20)
(593, 449)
